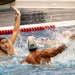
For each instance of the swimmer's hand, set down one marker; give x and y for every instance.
(17, 11)
(23, 61)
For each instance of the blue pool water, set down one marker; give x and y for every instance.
(62, 64)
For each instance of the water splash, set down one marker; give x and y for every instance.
(64, 59)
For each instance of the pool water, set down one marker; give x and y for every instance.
(62, 64)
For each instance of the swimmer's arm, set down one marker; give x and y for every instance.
(23, 61)
(53, 51)
(29, 60)
(16, 26)
(48, 41)
(11, 50)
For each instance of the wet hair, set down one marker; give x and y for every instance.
(1, 38)
(34, 49)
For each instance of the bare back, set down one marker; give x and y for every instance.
(35, 58)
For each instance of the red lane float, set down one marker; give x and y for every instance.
(2, 32)
(36, 27)
(5, 32)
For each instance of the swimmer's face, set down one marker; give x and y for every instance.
(4, 44)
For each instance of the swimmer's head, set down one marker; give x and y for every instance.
(31, 44)
(4, 44)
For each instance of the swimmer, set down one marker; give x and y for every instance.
(37, 56)
(6, 45)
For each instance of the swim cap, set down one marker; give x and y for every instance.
(31, 43)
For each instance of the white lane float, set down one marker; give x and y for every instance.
(36, 27)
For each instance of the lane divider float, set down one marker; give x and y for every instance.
(37, 27)
(10, 31)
